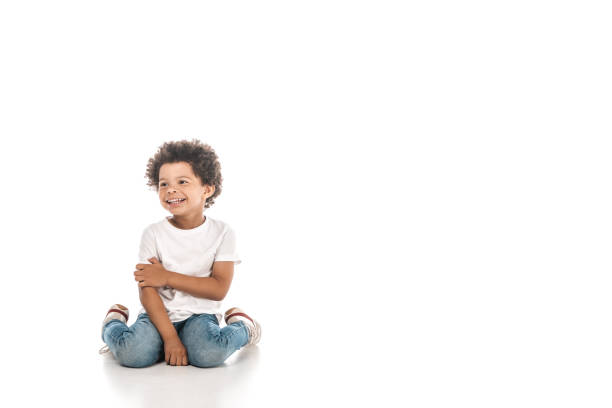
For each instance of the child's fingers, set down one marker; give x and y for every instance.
(170, 357)
(185, 359)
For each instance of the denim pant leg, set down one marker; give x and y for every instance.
(207, 344)
(139, 345)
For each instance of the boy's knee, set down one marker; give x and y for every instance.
(206, 357)
(137, 354)
(134, 360)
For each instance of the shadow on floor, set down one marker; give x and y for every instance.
(164, 385)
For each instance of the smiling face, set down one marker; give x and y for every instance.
(178, 182)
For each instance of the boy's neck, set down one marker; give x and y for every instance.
(189, 222)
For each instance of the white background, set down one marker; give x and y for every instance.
(420, 191)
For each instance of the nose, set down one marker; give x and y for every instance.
(169, 190)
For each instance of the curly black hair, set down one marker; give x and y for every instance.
(202, 158)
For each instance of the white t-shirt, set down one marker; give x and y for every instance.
(190, 252)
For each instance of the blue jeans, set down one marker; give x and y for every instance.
(207, 345)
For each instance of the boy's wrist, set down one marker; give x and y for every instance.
(169, 276)
(170, 335)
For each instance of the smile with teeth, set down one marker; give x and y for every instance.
(175, 202)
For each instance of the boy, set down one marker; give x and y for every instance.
(185, 270)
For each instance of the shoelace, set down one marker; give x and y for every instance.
(103, 350)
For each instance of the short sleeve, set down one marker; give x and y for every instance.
(147, 247)
(227, 249)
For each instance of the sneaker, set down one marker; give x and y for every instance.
(118, 312)
(254, 328)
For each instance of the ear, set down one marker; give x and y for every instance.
(210, 190)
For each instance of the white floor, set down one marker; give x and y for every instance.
(293, 365)
(163, 386)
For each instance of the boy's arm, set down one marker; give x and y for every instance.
(157, 312)
(214, 287)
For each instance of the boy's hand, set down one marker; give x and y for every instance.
(176, 354)
(153, 274)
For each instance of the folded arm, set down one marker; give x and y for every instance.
(214, 287)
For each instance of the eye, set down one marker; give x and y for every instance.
(162, 184)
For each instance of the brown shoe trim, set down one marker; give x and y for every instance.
(238, 314)
(118, 311)
(227, 312)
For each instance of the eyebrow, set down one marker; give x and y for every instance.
(177, 177)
